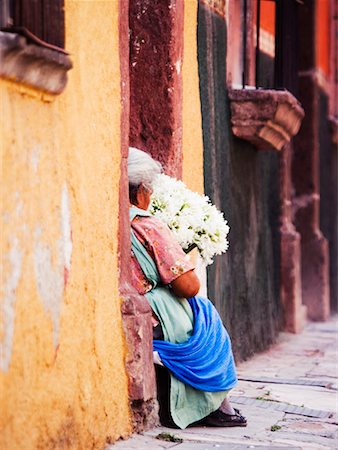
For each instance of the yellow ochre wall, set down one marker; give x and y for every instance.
(192, 142)
(62, 380)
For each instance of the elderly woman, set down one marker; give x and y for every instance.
(192, 351)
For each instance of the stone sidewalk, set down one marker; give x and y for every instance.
(289, 395)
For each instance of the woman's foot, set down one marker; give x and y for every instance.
(221, 419)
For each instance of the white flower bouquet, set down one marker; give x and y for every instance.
(191, 217)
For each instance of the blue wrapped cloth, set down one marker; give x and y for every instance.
(205, 361)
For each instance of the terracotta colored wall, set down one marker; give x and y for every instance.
(165, 113)
(63, 380)
(156, 46)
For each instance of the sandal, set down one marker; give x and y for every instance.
(219, 419)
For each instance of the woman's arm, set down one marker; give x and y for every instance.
(186, 285)
(172, 263)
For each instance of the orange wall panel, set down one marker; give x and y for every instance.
(323, 36)
(268, 12)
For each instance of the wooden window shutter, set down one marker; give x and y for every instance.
(44, 18)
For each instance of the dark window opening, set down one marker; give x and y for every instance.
(263, 13)
(265, 43)
(276, 43)
(42, 18)
(287, 45)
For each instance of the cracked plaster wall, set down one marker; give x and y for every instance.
(62, 379)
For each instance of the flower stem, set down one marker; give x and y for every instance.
(191, 247)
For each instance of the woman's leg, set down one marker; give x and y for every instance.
(225, 416)
(226, 407)
(163, 386)
(163, 396)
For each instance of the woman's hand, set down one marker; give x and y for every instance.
(186, 285)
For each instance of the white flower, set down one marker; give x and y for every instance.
(190, 216)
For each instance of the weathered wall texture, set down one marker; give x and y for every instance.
(136, 311)
(63, 380)
(243, 283)
(165, 109)
(156, 46)
(165, 116)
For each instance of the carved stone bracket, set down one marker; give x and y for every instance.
(266, 118)
(37, 66)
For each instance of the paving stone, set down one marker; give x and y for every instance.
(194, 446)
(312, 427)
(304, 401)
(304, 446)
(259, 422)
(141, 442)
(285, 407)
(312, 397)
(331, 328)
(295, 381)
(305, 438)
(330, 370)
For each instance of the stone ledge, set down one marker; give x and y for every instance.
(42, 67)
(138, 329)
(266, 118)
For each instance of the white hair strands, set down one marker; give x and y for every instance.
(142, 168)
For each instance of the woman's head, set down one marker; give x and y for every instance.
(142, 171)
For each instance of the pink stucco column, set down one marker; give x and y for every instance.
(136, 311)
(305, 176)
(294, 312)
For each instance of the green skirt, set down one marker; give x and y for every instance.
(187, 404)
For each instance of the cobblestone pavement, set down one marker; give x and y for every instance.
(289, 395)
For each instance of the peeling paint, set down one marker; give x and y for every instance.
(6, 217)
(51, 279)
(14, 256)
(19, 204)
(35, 158)
(66, 242)
(44, 144)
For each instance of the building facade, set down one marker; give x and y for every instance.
(237, 98)
(63, 378)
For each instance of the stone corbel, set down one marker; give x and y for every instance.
(266, 118)
(35, 64)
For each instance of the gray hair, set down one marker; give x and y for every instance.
(142, 168)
